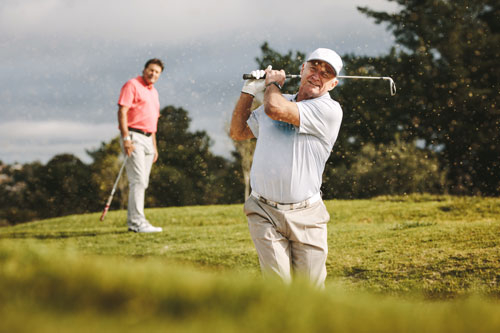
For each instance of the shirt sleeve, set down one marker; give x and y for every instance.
(127, 95)
(321, 118)
(253, 121)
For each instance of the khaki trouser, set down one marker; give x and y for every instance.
(290, 240)
(138, 169)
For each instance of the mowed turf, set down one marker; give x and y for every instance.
(396, 264)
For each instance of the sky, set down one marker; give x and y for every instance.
(63, 62)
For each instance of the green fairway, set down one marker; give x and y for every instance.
(396, 264)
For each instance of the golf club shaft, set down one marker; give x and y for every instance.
(110, 198)
(288, 76)
(392, 85)
(293, 76)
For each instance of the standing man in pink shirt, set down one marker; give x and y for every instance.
(138, 113)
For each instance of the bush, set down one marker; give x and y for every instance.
(394, 169)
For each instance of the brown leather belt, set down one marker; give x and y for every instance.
(139, 131)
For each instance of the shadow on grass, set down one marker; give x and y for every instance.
(59, 234)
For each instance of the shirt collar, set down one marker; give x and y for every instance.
(325, 95)
(143, 82)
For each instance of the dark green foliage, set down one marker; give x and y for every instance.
(67, 188)
(107, 160)
(394, 169)
(61, 187)
(20, 193)
(448, 72)
(186, 172)
(446, 69)
(178, 175)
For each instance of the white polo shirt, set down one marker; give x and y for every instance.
(289, 161)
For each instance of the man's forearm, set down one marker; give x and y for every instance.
(122, 121)
(154, 141)
(277, 107)
(273, 99)
(128, 146)
(239, 129)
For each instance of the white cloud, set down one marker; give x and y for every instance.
(121, 19)
(178, 21)
(54, 129)
(24, 141)
(63, 61)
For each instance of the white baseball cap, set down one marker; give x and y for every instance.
(329, 56)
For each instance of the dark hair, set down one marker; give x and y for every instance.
(155, 61)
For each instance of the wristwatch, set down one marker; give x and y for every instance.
(127, 138)
(275, 83)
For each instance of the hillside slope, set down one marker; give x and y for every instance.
(406, 264)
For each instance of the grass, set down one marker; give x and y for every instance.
(396, 264)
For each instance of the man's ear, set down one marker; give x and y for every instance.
(333, 84)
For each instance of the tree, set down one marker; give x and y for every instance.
(393, 169)
(67, 187)
(107, 161)
(187, 173)
(448, 72)
(14, 194)
(244, 157)
(370, 116)
(34, 191)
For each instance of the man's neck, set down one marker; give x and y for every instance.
(302, 96)
(146, 83)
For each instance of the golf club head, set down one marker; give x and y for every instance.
(392, 86)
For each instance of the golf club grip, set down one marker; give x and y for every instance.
(251, 77)
(104, 212)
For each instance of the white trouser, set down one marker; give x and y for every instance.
(293, 240)
(138, 169)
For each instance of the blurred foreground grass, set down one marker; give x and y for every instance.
(396, 264)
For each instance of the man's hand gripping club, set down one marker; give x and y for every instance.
(257, 86)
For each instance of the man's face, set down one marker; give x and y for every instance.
(151, 73)
(317, 78)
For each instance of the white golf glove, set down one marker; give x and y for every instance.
(256, 86)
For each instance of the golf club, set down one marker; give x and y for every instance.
(392, 85)
(110, 198)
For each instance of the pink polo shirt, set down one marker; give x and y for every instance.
(143, 103)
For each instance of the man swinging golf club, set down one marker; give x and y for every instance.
(138, 113)
(295, 134)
